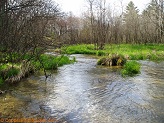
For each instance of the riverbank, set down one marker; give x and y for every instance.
(14, 72)
(117, 55)
(84, 92)
(153, 52)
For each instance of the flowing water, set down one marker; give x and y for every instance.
(86, 93)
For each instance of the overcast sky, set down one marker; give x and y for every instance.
(79, 6)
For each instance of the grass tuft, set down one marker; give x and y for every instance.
(1, 80)
(131, 68)
(12, 72)
(51, 62)
(48, 62)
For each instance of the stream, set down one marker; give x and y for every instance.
(86, 93)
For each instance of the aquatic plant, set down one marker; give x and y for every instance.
(130, 68)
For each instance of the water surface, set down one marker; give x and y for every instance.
(86, 93)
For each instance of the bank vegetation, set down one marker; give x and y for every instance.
(29, 27)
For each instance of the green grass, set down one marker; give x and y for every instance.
(101, 60)
(153, 52)
(131, 68)
(1, 80)
(51, 62)
(79, 49)
(3, 67)
(12, 72)
(6, 71)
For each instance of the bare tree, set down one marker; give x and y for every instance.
(24, 25)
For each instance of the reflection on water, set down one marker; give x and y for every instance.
(86, 93)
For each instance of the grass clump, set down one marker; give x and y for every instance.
(3, 67)
(100, 53)
(9, 72)
(12, 72)
(1, 80)
(50, 62)
(6, 72)
(101, 60)
(13, 69)
(131, 68)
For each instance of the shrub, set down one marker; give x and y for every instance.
(130, 68)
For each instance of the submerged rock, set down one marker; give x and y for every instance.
(114, 60)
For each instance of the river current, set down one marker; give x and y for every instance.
(86, 93)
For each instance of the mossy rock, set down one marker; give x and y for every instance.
(114, 60)
(101, 61)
